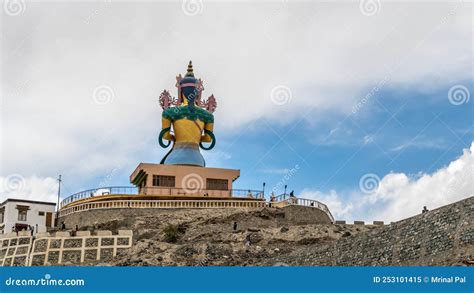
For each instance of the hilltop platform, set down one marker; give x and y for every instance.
(159, 186)
(185, 181)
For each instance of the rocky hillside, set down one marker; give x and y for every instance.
(214, 237)
(207, 237)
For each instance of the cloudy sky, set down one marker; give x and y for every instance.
(363, 105)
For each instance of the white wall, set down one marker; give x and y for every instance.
(32, 218)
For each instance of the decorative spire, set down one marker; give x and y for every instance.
(190, 69)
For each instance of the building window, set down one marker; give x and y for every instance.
(22, 211)
(163, 181)
(217, 184)
(22, 215)
(40, 213)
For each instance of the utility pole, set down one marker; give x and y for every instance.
(263, 194)
(59, 195)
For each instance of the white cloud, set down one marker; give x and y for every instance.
(339, 209)
(368, 139)
(217, 158)
(329, 54)
(275, 171)
(32, 188)
(421, 143)
(341, 135)
(399, 196)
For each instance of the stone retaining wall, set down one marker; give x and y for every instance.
(432, 238)
(296, 215)
(301, 215)
(14, 249)
(61, 248)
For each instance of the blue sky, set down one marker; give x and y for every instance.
(395, 132)
(398, 131)
(312, 94)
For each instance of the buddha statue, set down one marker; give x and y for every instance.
(187, 122)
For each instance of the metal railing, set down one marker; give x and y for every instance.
(293, 200)
(162, 204)
(99, 191)
(161, 191)
(285, 198)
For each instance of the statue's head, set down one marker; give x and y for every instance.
(189, 87)
(189, 94)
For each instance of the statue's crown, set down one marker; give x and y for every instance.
(190, 69)
(189, 87)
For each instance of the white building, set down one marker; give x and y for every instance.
(19, 214)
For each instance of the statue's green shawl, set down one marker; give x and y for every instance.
(183, 112)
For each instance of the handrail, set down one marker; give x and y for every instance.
(164, 204)
(283, 197)
(165, 191)
(293, 200)
(99, 191)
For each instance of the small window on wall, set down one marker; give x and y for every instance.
(217, 184)
(22, 215)
(22, 211)
(163, 181)
(40, 213)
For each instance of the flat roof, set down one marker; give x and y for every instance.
(172, 168)
(27, 201)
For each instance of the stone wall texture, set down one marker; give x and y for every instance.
(300, 215)
(441, 236)
(61, 248)
(295, 215)
(444, 236)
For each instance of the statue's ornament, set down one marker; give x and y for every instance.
(166, 100)
(187, 121)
